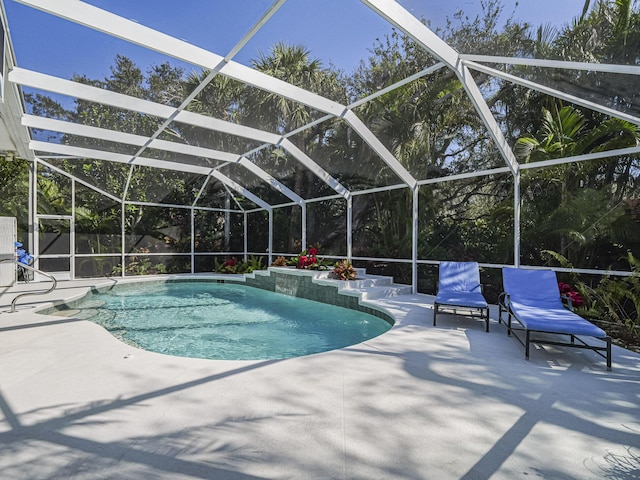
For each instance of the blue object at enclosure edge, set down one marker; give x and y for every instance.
(23, 256)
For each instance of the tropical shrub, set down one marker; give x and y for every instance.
(343, 270)
(613, 302)
(140, 265)
(616, 301)
(233, 265)
(308, 260)
(279, 262)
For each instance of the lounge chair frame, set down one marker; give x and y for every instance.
(482, 312)
(529, 334)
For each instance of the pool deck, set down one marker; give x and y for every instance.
(419, 402)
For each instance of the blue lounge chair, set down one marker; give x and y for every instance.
(459, 286)
(532, 298)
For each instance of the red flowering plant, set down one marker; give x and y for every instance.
(308, 260)
(228, 266)
(568, 291)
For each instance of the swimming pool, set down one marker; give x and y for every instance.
(224, 321)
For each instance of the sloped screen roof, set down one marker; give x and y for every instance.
(236, 52)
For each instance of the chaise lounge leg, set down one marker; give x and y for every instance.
(526, 344)
(435, 313)
(487, 320)
(608, 340)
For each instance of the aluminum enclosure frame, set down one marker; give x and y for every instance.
(128, 30)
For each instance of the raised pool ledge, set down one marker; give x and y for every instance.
(312, 285)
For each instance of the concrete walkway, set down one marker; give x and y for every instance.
(419, 402)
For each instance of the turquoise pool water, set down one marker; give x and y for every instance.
(225, 321)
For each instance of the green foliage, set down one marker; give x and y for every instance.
(616, 300)
(233, 265)
(613, 302)
(140, 265)
(14, 192)
(254, 263)
(579, 209)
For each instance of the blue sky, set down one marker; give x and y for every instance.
(339, 32)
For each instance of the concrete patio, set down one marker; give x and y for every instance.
(419, 402)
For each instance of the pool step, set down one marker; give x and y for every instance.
(365, 287)
(362, 281)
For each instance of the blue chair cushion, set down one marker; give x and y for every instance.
(538, 288)
(459, 277)
(534, 298)
(462, 299)
(554, 320)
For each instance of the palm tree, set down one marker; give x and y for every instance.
(268, 111)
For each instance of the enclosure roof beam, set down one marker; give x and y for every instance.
(80, 152)
(255, 29)
(201, 191)
(125, 29)
(398, 84)
(562, 64)
(260, 173)
(619, 152)
(119, 100)
(112, 24)
(126, 138)
(376, 145)
(45, 162)
(137, 140)
(420, 33)
(106, 97)
(554, 93)
(465, 175)
(240, 189)
(288, 145)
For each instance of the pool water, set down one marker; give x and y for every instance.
(225, 321)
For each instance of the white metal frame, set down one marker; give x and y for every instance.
(125, 29)
(111, 24)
